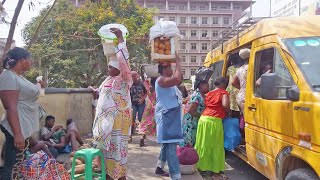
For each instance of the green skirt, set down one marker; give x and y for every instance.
(209, 144)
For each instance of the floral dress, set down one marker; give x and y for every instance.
(113, 117)
(233, 92)
(190, 123)
(242, 76)
(148, 124)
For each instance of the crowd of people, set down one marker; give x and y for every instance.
(121, 99)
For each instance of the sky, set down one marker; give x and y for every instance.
(259, 9)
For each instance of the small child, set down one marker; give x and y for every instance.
(72, 135)
(71, 125)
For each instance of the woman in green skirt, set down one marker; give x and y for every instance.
(209, 144)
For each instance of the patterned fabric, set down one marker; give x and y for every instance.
(148, 124)
(242, 76)
(39, 166)
(190, 123)
(113, 117)
(233, 92)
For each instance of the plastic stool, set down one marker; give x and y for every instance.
(88, 155)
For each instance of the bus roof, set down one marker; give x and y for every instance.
(283, 27)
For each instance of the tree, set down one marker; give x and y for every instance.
(13, 25)
(68, 44)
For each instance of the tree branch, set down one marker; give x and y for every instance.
(3, 2)
(71, 51)
(13, 26)
(67, 35)
(34, 37)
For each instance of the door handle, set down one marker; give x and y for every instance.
(252, 108)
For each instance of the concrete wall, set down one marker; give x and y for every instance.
(68, 103)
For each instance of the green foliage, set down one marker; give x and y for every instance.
(69, 47)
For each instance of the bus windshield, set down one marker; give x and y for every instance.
(306, 53)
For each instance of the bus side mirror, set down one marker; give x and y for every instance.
(268, 86)
(293, 93)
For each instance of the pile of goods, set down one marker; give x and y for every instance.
(164, 38)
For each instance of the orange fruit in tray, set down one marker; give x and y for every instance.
(167, 42)
(161, 46)
(168, 47)
(167, 52)
(156, 44)
(156, 50)
(161, 51)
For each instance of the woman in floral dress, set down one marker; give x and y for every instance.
(190, 119)
(148, 124)
(113, 113)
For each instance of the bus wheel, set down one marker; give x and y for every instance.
(302, 174)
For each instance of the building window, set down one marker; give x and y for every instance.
(183, 72)
(215, 20)
(193, 59)
(172, 19)
(183, 20)
(214, 8)
(193, 72)
(204, 20)
(161, 17)
(193, 46)
(160, 7)
(203, 58)
(181, 8)
(204, 33)
(193, 33)
(171, 8)
(193, 8)
(183, 59)
(183, 46)
(237, 7)
(203, 8)
(194, 20)
(215, 33)
(226, 20)
(183, 32)
(204, 46)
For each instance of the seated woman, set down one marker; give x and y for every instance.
(210, 143)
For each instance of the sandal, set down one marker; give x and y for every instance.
(161, 172)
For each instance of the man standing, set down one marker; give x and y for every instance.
(138, 95)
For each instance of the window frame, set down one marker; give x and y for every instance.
(185, 20)
(192, 31)
(257, 68)
(204, 18)
(195, 60)
(192, 18)
(215, 19)
(204, 32)
(193, 46)
(206, 46)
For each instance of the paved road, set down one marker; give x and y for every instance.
(239, 170)
(142, 162)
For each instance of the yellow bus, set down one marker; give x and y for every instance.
(282, 116)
